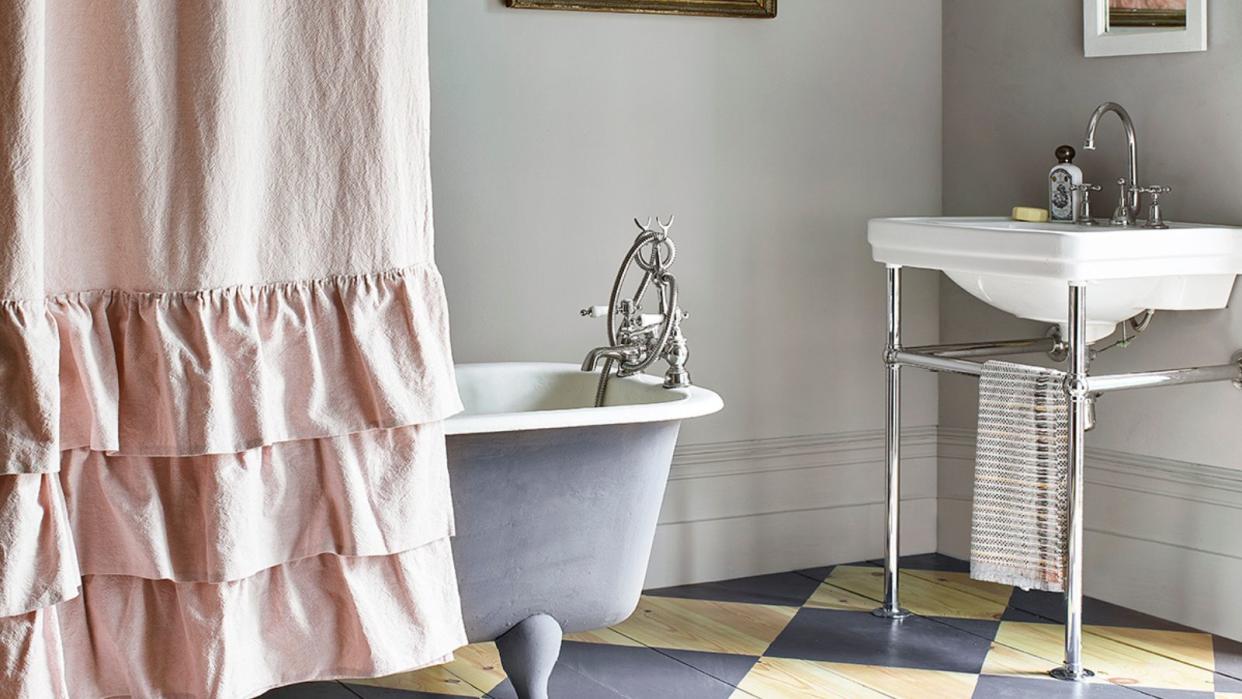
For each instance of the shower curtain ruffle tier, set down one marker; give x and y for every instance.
(319, 617)
(238, 499)
(219, 518)
(222, 370)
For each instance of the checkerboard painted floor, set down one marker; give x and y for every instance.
(809, 633)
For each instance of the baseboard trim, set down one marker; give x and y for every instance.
(719, 549)
(796, 510)
(1123, 535)
(756, 506)
(798, 452)
(1150, 475)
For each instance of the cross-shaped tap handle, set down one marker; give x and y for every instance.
(1155, 217)
(1084, 206)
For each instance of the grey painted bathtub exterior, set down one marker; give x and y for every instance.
(555, 524)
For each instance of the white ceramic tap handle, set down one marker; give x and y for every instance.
(602, 312)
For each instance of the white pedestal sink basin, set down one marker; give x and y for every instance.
(1026, 268)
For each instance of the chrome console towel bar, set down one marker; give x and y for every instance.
(1050, 343)
(940, 364)
(1106, 383)
(1103, 383)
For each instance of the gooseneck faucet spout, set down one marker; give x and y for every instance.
(1127, 210)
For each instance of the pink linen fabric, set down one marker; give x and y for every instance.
(158, 374)
(219, 518)
(38, 564)
(323, 617)
(225, 517)
(224, 349)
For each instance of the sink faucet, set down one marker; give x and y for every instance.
(1128, 204)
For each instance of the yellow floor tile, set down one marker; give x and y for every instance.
(904, 682)
(930, 593)
(473, 670)
(831, 597)
(704, 625)
(1013, 662)
(606, 636)
(436, 680)
(962, 582)
(781, 678)
(1189, 647)
(478, 664)
(1115, 662)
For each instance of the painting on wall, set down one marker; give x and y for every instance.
(1147, 13)
(1136, 27)
(715, 8)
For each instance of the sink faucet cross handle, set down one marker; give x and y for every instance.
(1155, 217)
(1084, 207)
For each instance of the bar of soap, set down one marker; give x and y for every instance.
(1030, 213)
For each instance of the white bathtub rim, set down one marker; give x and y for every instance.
(694, 401)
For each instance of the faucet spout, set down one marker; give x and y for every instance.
(621, 354)
(1132, 194)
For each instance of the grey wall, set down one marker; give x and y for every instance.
(773, 141)
(1015, 87)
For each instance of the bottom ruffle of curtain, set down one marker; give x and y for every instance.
(221, 517)
(317, 618)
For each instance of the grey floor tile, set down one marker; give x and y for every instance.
(311, 690)
(1049, 607)
(726, 667)
(788, 589)
(1228, 664)
(817, 574)
(929, 561)
(995, 687)
(859, 637)
(565, 683)
(1228, 683)
(970, 626)
(1171, 693)
(368, 692)
(599, 671)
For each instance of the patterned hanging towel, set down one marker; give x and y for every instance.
(1018, 527)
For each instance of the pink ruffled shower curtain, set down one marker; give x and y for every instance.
(224, 354)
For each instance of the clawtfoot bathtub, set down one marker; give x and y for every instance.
(556, 502)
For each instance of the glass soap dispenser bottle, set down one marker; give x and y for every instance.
(1063, 194)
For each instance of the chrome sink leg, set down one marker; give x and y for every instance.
(1076, 390)
(892, 448)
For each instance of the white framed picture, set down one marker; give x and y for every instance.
(1132, 27)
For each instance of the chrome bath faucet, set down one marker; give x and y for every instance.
(636, 339)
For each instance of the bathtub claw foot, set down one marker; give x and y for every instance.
(528, 653)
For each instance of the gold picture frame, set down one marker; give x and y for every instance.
(713, 8)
